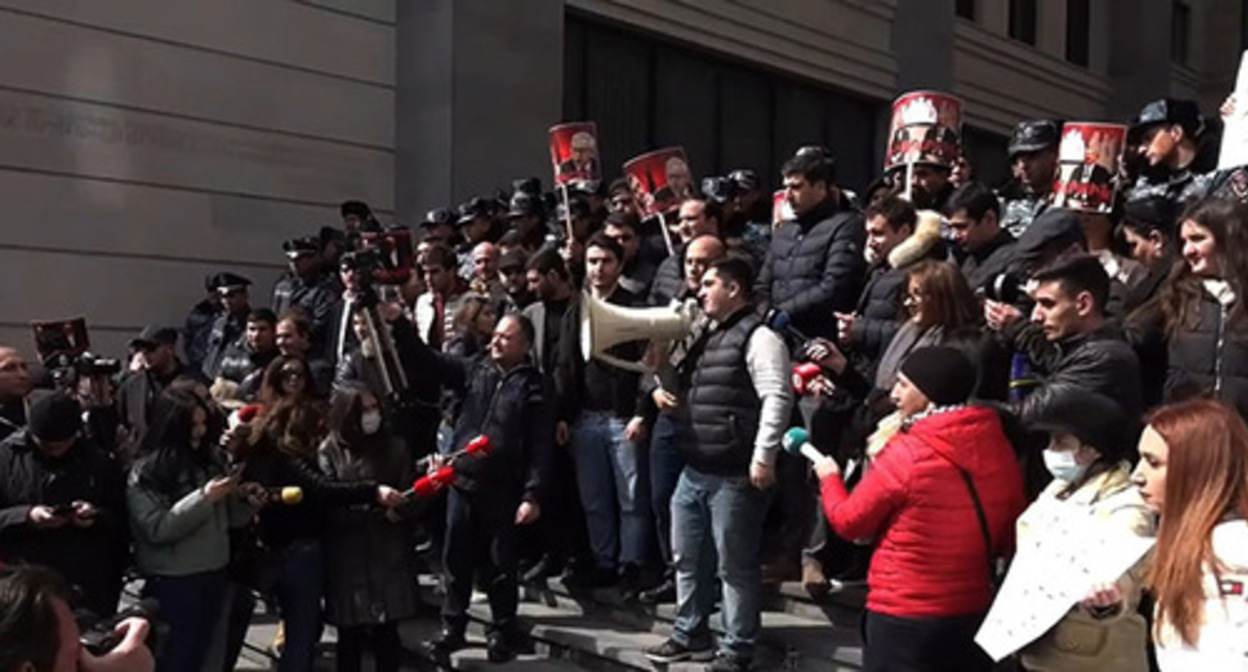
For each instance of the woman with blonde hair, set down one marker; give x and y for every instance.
(1193, 471)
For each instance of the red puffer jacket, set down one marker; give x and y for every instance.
(930, 558)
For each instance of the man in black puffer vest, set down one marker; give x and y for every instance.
(739, 401)
(815, 266)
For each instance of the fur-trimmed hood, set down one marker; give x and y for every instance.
(921, 244)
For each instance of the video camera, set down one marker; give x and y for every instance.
(1005, 287)
(63, 347)
(720, 189)
(383, 257)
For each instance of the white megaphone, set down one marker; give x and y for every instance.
(604, 325)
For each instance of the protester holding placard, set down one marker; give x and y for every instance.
(1193, 471)
(1088, 438)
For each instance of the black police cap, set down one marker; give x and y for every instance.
(298, 247)
(1032, 136)
(1184, 113)
(438, 217)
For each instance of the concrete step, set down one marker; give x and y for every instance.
(807, 634)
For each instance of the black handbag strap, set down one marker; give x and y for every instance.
(983, 520)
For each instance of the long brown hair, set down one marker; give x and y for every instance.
(292, 421)
(1206, 479)
(1181, 294)
(947, 300)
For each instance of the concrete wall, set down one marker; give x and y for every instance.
(144, 144)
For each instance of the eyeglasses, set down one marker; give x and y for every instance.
(293, 373)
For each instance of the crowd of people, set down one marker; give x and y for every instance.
(978, 369)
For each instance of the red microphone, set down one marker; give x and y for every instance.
(803, 375)
(431, 484)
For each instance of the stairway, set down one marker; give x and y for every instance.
(598, 631)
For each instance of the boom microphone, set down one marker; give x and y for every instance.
(797, 442)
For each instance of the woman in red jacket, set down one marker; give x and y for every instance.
(923, 497)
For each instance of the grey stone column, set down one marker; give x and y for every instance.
(923, 42)
(479, 83)
(1139, 53)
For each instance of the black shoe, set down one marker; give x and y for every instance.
(630, 581)
(440, 648)
(663, 593)
(545, 567)
(726, 662)
(499, 648)
(672, 651)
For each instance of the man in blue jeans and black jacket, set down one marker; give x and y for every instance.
(739, 400)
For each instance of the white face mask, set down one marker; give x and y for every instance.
(1062, 464)
(370, 422)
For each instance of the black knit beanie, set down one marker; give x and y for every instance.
(941, 373)
(54, 417)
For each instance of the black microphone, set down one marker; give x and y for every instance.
(779, 321)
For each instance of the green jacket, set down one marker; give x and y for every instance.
(185, 537)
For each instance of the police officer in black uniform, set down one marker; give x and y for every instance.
(1033, 156)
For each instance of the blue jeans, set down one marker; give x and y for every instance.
(666, 463)
(607, 477)
(191, 606)
(717, 524)
(299, 591)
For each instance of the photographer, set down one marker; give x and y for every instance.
(63, 502)
(1068, 340)
(38, 632)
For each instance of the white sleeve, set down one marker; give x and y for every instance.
(767, 360)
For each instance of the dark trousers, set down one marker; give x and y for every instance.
(561, 534)
(480, 541)
(239, 606)
(190, 606)
(299, 600)
(938, 644)
(382, 640)
(666, 463)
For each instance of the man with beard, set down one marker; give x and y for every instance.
(929, 185)
(515, 284)
(1033, 159)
